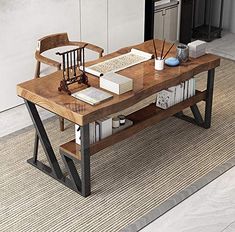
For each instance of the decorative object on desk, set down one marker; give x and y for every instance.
(71, 62)
(92, 96)
(159, 61)
(119, 63)
(116, 122)
(182, 53)
(197, 48)
(159, 64)
(172, 61)
(116, 83)
(122, 119)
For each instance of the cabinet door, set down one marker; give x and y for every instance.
(125, 23)
(170, 24)
(94, 23)
(159, 25)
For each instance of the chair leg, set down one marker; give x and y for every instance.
(61, 123)
(37, 71)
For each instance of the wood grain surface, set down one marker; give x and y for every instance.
(141, 119)
(147, 81)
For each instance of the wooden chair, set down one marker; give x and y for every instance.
(54, 41)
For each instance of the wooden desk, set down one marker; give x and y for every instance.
(43, 92)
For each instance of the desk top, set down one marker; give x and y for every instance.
(147, 81)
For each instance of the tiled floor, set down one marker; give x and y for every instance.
(224, 47)
(18, 118)
(212, 209)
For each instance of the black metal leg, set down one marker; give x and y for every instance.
(80, 185)
(186, 118)
(85, 161)
(209, 98)
(198, 120)
(73, 174)
(197, 115)
(35, 151)
(41, 133)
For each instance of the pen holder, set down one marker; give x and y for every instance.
(182, 53)
(159, 64)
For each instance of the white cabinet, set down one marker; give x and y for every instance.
(112, 24)
(170, 24)
(125, 23)
(166, 23)
(94, 22)
(159, 25)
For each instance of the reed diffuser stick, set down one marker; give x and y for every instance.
(155, 50)
(168, 51)
(163, 45)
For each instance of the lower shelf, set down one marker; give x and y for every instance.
(143, 118)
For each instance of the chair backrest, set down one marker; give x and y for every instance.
(52, 41)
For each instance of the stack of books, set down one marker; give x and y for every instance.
(100, 129)
(173, 95)
(97, 130)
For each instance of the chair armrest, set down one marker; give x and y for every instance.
(47, 61)
(89, 46)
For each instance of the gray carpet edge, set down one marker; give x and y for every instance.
(179, 197)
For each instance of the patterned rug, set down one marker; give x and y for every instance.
(146, 174)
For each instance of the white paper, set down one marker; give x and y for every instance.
(119, 63)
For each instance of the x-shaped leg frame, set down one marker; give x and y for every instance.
(198, 120)
(80, 184)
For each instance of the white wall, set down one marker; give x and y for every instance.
(112, 24)
(22, 22)
(125, 23)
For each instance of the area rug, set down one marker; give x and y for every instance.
(146, 174)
